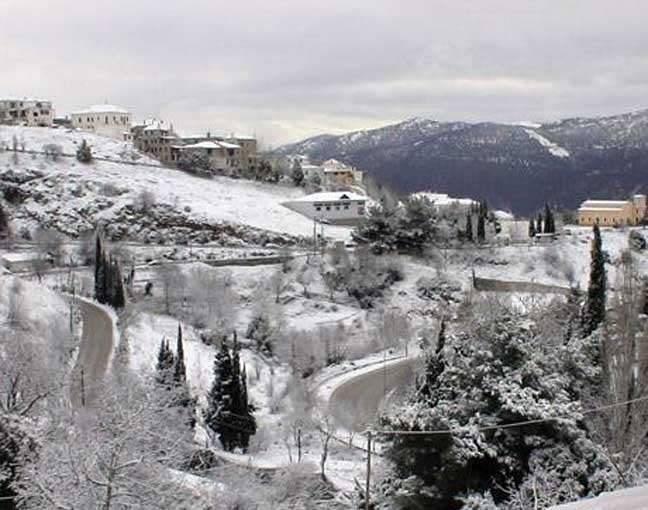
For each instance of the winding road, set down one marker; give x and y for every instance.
(355, 403)
(94, 353)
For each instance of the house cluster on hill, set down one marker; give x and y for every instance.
(233, 155)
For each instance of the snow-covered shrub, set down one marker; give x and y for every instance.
(636, 241)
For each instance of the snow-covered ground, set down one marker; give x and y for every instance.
(553, 148)
(69, 194)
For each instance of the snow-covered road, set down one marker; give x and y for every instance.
(95, 352)
(355, 402)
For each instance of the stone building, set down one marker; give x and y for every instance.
(26, 112)
(103, 120)
(612, 213)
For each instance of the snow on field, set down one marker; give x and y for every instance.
(79, 193)
(35, 138)
(553, 148)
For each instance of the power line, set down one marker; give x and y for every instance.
(507, 425)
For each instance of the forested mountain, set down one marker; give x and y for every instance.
(518, 167)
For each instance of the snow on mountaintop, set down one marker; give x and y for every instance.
(552, 147)
(72, 197)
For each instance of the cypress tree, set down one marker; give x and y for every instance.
(645, 297)
(99, 270)
(549, 226)
(596, 292)
(481, 222)
(469, 230)
(539, 224)
(180, 370)
(532, 229)
(120, 295)
(164, 365)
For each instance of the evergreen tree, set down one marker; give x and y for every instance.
(532, 229)
(84, 152)
(297, 173)
(469, 229)
(179, 369)
(229, 413)
(99, 270)
(596, 292)
(549, 226)
(539, 224)
(218, 415)
(645, 297)
(481, 225)
(120, 295)
(4, 221)
(164, 365)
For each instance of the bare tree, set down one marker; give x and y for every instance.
(278, 284)
(173, 284)
(120, 454)
(624, 360)
(50, 244)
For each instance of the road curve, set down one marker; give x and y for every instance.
(355, 403)
(94, 352)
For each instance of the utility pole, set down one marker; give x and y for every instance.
(367, 503)
(82, 389)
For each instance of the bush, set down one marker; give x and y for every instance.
(636, 241)
(196, 164)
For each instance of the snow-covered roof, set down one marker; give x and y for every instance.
(102, 108)
(200, 145)
(227, 145)
(24, 99)
(443, 198)
(607, 205)
(334, 163)
(331, 196)
(625, 499)
(156, 125)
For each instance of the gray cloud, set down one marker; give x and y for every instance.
(285, 69)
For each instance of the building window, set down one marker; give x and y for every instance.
(318, 208)
(328, 207)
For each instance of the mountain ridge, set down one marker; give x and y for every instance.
(516, 166)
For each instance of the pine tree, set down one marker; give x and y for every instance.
(84, 152)
(297, 173)
(218, 415)
(469, 230)
(532, 229)
(596, 292)
(434, 366)
(539, 224)
(645, 297)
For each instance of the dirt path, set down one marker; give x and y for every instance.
(94, 353)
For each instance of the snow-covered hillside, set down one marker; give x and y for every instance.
(71, 197)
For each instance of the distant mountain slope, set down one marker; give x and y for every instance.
(133, 199)
(512, 166)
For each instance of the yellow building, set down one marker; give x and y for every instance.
(610, 213)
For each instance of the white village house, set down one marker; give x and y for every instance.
(103, 120)
(336, 207)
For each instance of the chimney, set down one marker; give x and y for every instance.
(208, 135)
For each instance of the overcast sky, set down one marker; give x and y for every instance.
(287, 69)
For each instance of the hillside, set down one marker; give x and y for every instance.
(516, 167)
(134, 198)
